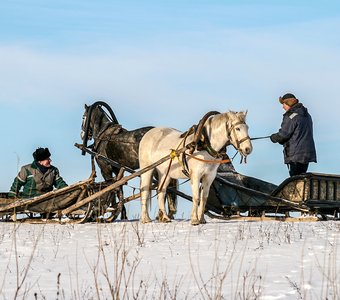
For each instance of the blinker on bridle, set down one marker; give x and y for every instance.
(88, 120)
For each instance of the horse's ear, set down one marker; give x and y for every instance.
(243, 113)
(85, 106)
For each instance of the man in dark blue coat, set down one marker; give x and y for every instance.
(296, 135)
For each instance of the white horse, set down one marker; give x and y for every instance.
(220, 130)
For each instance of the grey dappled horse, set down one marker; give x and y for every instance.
(116, 143)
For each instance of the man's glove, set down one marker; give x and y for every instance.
(12, 195)
(273, 138)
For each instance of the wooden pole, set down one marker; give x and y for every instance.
(118, 165)
(119, 183)
(22, 202)
(102, 157)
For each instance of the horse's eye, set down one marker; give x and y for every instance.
(238, 129)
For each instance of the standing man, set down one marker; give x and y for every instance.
(37, 178)
(296, 135)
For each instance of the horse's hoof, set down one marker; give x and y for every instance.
(171, 214)
(163, 217)
(195, 222)
(203, 221)
(146, 220)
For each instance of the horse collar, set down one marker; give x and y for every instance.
(106, 134)
(204, 144)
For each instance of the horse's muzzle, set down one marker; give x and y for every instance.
(247, 150)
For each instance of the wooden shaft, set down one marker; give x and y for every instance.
(137, 195)
(104, 158)
(114, 163)
(22, 202)
(118, 183)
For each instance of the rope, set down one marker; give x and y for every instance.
(166, 175)
(252, 139)
(173, 154)
(234, 155)
(260, 138)
(211, 161)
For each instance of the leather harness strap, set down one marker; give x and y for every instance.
(203, 143)
(105, 134)
(212, 161)
(232, 130)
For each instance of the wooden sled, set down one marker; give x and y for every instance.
(309, 196)
(78, 203)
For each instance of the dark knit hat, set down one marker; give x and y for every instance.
(288, 99)
(41, 154)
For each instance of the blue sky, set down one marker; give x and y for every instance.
(165, 63)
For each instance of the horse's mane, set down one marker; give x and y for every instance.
(217, 120)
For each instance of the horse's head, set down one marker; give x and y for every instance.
(94, 119)
(83, 125)
(237, 131)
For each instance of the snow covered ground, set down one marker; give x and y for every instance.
(128, 260)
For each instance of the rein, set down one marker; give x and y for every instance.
(252, 139)
(211, 161)
(260, 138)
(232, 130)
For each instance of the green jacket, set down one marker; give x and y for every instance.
(35, 182)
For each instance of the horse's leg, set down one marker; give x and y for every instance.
(163, 184)
(120, 193)
(106, 171)
(171, 198)
(204, 193)
(145, 185)
(120, 196)
(195, 187)
(123, 214)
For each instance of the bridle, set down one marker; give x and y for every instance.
(88, 120)
(200, 131)
(231, 131)
(83, 127)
